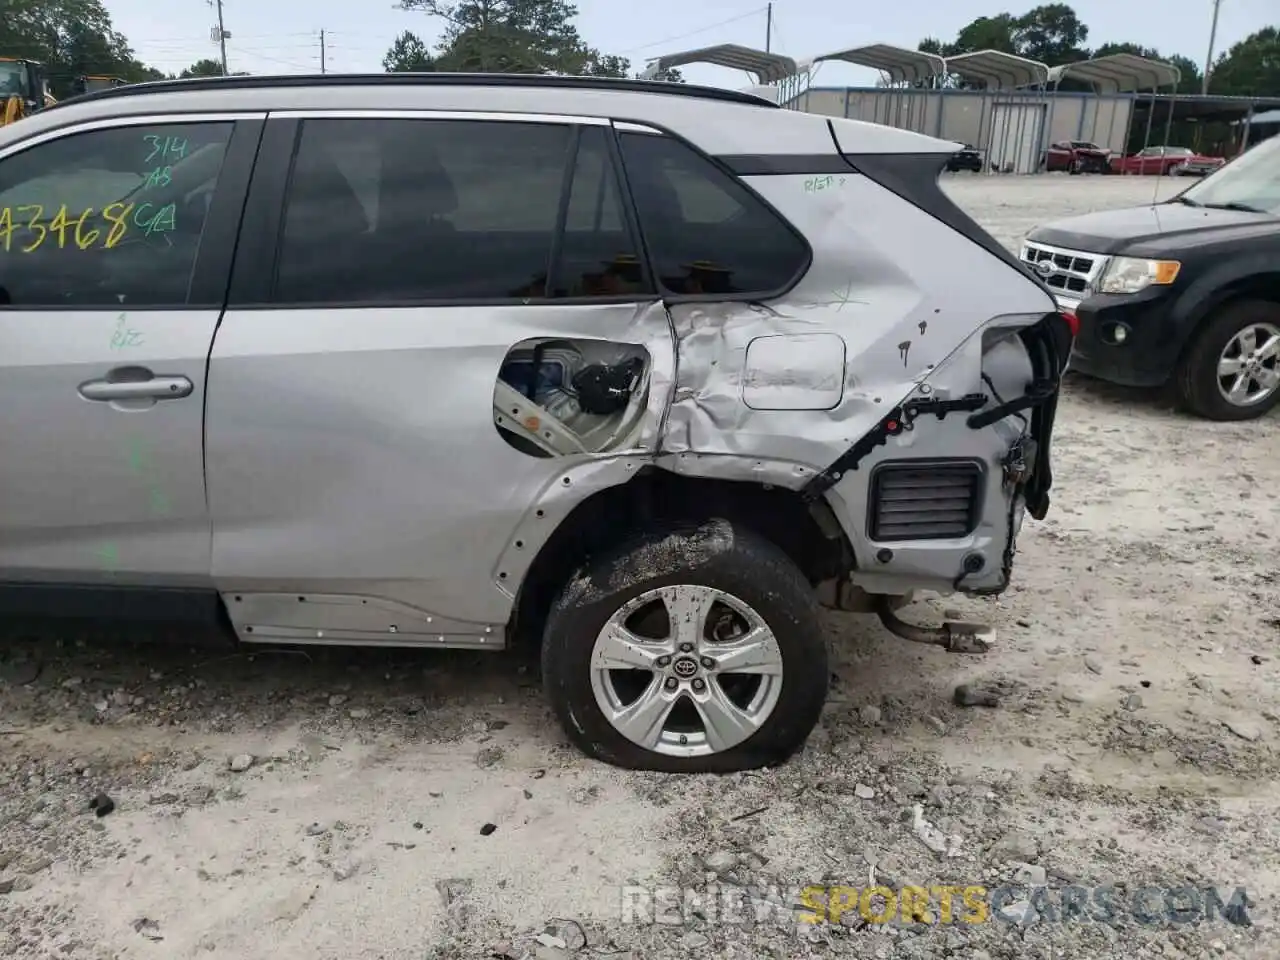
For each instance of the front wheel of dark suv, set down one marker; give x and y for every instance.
(1231, 370)
(695, 649)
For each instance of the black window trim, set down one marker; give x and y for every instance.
(257, 258)
(649, 128)
(562, 208)
(208, 284)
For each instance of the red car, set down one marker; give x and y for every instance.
(1077, 156)
(1166, 162)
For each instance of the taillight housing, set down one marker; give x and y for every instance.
(1072, 322)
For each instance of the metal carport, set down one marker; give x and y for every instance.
(1115, 74)
(767, 68)
(995, 70)
(902, 69)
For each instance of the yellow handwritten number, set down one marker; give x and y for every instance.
(60, 226)
(85, 240)
(34, 225)
(63, 226)
(117, 215)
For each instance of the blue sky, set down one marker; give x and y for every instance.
(282, 36)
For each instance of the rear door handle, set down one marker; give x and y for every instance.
(157, 388)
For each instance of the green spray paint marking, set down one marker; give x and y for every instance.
(141, 466)
(159, 503)
(123, 336)
(109, 556)
(138, 458)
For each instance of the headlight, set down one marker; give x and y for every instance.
(1131, 275)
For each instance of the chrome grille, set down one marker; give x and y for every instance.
(1074, 273)
(931, 500)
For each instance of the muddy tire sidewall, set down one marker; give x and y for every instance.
(715, 554)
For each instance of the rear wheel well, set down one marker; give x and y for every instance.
(808, 534)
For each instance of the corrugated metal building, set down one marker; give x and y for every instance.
(1009, 107)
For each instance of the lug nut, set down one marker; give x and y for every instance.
(664, 661)
(672, 683)
(708, 663)
(699, 685)
(686, 648)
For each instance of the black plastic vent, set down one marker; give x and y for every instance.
(924, 500)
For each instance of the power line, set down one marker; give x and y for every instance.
(693, 33)
(241, 36)
(242, 51)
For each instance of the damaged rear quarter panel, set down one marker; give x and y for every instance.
(899, 289)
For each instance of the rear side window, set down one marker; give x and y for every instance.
(383, 210)
(599, 256)
(706, 232)
(108, 218)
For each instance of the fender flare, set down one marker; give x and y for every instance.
(1217, 286)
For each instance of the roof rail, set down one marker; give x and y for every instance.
(547, 81)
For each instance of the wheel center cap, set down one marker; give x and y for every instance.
(685, 667)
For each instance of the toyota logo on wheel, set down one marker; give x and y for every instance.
(684, 667)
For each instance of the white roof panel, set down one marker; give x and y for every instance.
(998, 70)
(767, 67)
(900, 64)
(1121, 73)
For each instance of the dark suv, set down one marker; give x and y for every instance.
(1187, 290)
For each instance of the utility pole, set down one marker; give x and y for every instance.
(1208, 60)
(322, 65)
(220, 33)
(768, 29)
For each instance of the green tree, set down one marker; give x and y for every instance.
(672, 75)
(408, 55)
(515, 36)
(202, 68)
(71, 38)
(1051, 33)
(935, 46)
(987, 33)
(1250, 68)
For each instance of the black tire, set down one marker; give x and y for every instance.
(714, 554)
(1196, 379)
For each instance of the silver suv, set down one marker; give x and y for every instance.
(645, 372)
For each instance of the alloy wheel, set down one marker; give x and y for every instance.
(1249, 365)
(686, 670)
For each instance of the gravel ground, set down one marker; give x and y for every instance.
(385, 805)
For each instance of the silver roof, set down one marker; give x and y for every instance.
(998, 70)
(767, 67)
(1120, 73)
(898, 63)
(718, 127)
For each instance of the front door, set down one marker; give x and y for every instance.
(115, 245)
(457, 316)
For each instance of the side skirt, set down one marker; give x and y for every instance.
(188, 615)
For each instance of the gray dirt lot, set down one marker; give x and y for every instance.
(1135, 744)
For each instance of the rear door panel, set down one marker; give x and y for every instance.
(363, 459)
(359, 485)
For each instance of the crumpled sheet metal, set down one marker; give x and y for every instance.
(903, 292)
